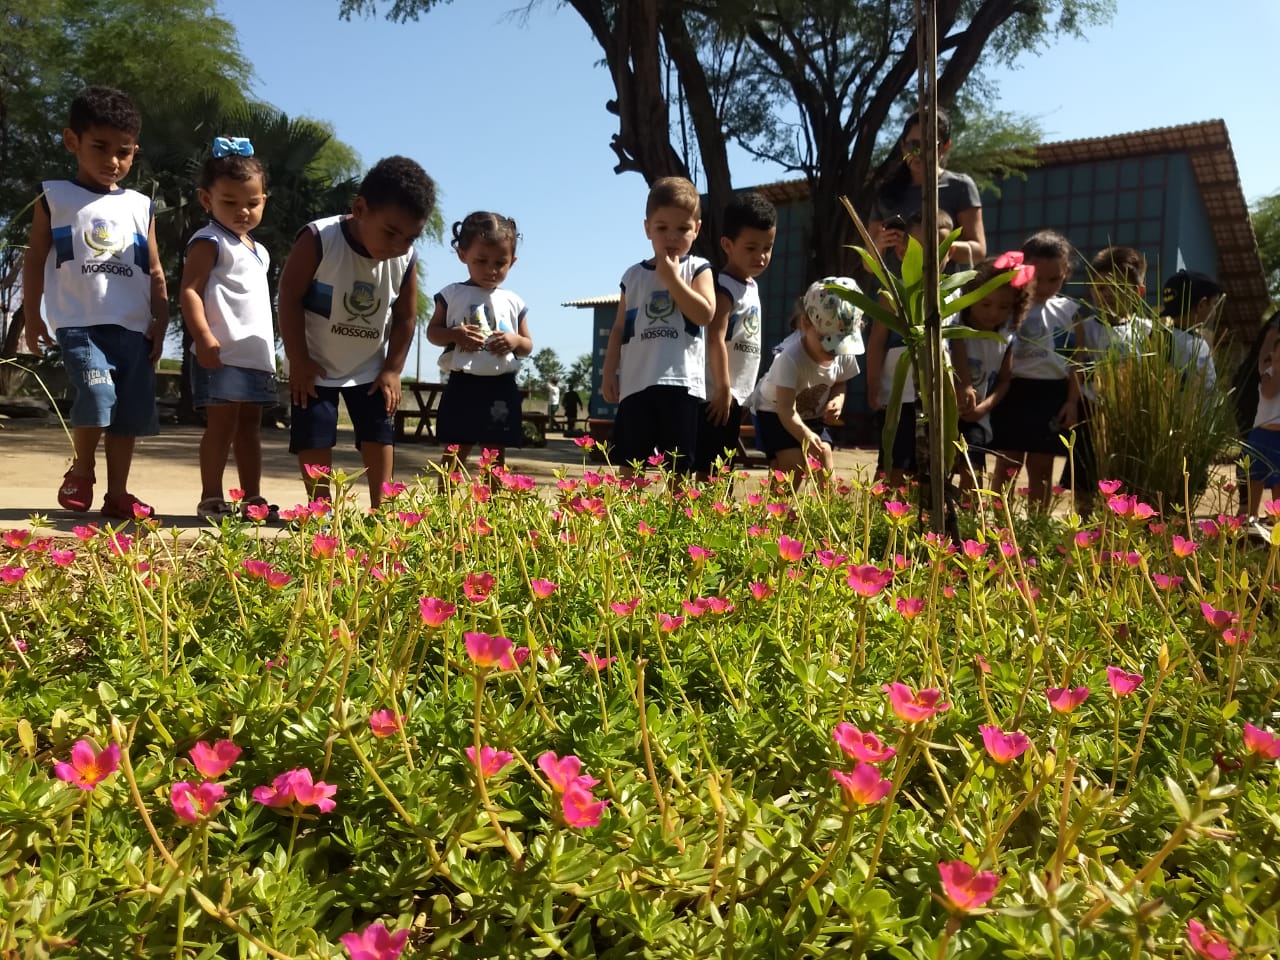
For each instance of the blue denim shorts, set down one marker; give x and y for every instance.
(224, 385)
(113, 383)
(1263, 448)
(316, 427)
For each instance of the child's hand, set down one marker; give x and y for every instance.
(665, 266)
(468, 337)
(820, 450)
(718, 404)
(302, 380)
(155, 336)
(209, 353)
(1067, 416)
(37, 333)
(834, 410)
(388, 383)
(610, 389)
(500, 343)
(967, 399)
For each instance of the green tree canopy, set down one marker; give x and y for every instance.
(1266, 227)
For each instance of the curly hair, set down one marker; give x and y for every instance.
(104, 107)
(401, 182)
(233, 167)
(485, 227)
(984, 272)
(748, 211)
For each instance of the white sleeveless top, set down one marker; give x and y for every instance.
(98, 271)
(742, 336)
(491, 310)
(659, 346)
(348, 306)
(1041, 345)
(237, 301)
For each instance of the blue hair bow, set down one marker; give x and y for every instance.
(225, 146)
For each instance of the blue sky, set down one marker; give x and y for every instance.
(508, 115)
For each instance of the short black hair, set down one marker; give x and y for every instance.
(1047, 245)
(104, 107)
(399, 182)
(748, 210)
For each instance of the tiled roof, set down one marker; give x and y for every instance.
(608, 300)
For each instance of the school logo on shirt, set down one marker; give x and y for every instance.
(751, 321)
(660, 307)
(362, 302)
(103, 238)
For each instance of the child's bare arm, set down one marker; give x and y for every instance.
(719, 397)
(966, 395)
(695, 299)
(610, 388)
(404, 317)
(196, 267)
(159, 297)
(297, 274)
(39, 243)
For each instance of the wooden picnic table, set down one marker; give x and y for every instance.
(427, 397)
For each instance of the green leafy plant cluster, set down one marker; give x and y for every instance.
(375, 650)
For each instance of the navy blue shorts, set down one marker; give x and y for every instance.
(224, 385)
(978, 439)
(480, 410)
(659, 419)
(1083, 460)
(716, 442)
(1023, 421)
(316, 427)
(1263, 448)
(772, 437)
(113, 383)
(903, 455)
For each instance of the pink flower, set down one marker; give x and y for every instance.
(579, 806)
(910, 607)
(1209, 528)
(1003, 747)
(542, 588)
(435, 611)
(296, 788)
(864, 747)
(316, 471)
(384, 723)
(790, 550)
(1085, 538)
(192, 803)
(966, 889)
(88, 767)
(584, 442)
(486, 650)
(696, 607)
(375, 942)
(476, 586)
(257, 511)
(911, 707)
(560, 771)
(256, 568)
(1183, 547)
(1208, 943)
(719, 605)
(213, 761)
(868, 580)
(276, 579)
(760, 590)
(595, 662)
(1261, 743)
(1122, 682)
(85, 533)
(669, 624)
(16, 539)
(12, 574)
(699, 554)
(492, 761)
(63, 558)
(1166, 582)
(1066, 699)
(1235, 638)
(624, 608)
(973, 550)
(897, 510)
(644, 529)
(392, 489)
(864, 785)
(323, 546)
(830, 559)
(1109, 487)
(1218, 619)
(119, 543)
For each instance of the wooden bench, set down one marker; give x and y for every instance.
(427, 396)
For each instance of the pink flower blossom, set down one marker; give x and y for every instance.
(195, 803)
(1109, 487)
(16, 539)
(719, 605)
(863, 785)
(1183, 547)
(316, 471)
(119, 544)
(384, 723)
(790, 550)
(1261, 743)
(375, 942)
(88, 767)
(542, 588)
(864, 747)
(1208, 943)
(392, 489)
(1003, 747)
(624, 608)
(868, 580)
(1166, 582)
(492, 761)
(973, 550)
(63, 558)
(477, 586)
(644, 529)
(486, 650)
(213, 761)
(1233, 637)
(560, 771)
(699, 554)
(1271, 507)
(1066, 699)
(297, 788)
(830, 559)
(596, 663)
(897, 510)
(965, 888)
(668, 623)
(257, 512)
(1122, 682)
(909, 607)
(912, 707)
(10, 574)
(435, 611)
(276, 579)
(1085, 538)
(85, 533)
(760, 590)
(1218, 619)
(323, 546)
(579, 806)
(584, 442)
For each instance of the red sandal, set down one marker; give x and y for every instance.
(125, 506)
(76, 492)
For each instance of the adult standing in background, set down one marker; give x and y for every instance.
(899, 199)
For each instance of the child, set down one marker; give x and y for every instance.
(227, 309)
(1044, 395)
(1190, 301)
(488, 328)
(655, 360)
(884, 348)
(987, 363)
(1119, 284)
(553, 400)
(92, 258)
(733, 339)
(804, 387)
(1263, 445)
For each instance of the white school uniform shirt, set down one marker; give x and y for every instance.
(348, 306)
(1190, 350)
(742, 336)
(99, 266)
(659, 345)
(237, 301)
(1122, 338)
(1041, 344)
(491, 310)
(985, 357)
(1268, 414)
(794, 369)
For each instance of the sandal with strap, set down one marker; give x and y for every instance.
(125, 506)
(213, 508)
(76, 492)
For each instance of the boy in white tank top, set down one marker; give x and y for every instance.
(348, 304)
(92, 259)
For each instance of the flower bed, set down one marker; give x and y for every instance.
(617, 722)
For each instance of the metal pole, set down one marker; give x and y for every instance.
(934, 365)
